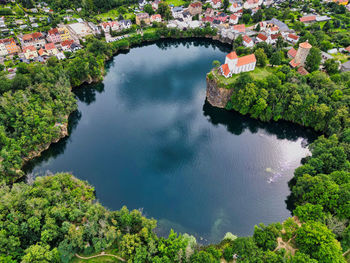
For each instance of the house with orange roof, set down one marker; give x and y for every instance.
(262, 38)
(42, 52)
(11, 46)
(292, 53)
(341, 2)
(235, 65)
(195, 8)
(51, 49)
(247, 41)
(292, 38)
(108, 26)
(216, 4)
(239, 28)
(233, 19)
(30, 52)
(156, 18)
(347, 49)
(272, 30)
(235, 7)
(36, 39)
(308, 19)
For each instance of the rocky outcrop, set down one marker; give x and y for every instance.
(217, 96)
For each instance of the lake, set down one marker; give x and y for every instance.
(146, 138)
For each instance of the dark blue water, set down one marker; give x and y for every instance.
(146, 138)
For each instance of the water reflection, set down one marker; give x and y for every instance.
(147, 139)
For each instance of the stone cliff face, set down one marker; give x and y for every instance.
(216, 96)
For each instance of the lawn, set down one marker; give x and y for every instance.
(102, 259)
(257, 74)
(175, 2)
(113, 14)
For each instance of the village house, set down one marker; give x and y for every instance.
(233, 19)
(177, 12)
(51, 49)
(142, 17)
(301, 55)
(209, 12)
(54, 36)
(11, 46)
(66, 45)
(64, 33)
(308, 19)
(195, 8)
(273, 38)
(272, 30)
(291, 53)
(292, 38)
(262, 38)
(155, 4)
(142, 4)
(108, 26)
(30, 52)
(234, 64)
(235, 7)
(251, 4)
(125, 24)
(247, 41)
(43, 53)
(239, 29)
(345, 67)
(60, 56)
(3, 49)
(216, 4)
(186, 16)
(36, 39)
(156, 18)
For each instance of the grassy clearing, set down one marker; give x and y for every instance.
(257, 74)
(102, 259)
(175, 2)
(341, 57)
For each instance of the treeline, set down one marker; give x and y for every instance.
(57, 216)
(312, 101)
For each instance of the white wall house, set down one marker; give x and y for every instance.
(3, 50)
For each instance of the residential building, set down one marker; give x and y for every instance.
(51, 49)
(262, 38)
(251, 4)
(292, 38)
(11, 46)
(156, 18)
(36, 39)
(308, 19)
(125, 24)
(235, 7)
(247, 41)
(177, 12)
(345, 66)
(209, 12)
(64, 33)
(3, 49)
(66, 45)
(108, 26)
(239, 28)
(142, 3)
(30, 52)
(234, 64)
(142, 17)
(195, 8)
(233, 19)
(54, 36)
(292, 53)
(216, 4)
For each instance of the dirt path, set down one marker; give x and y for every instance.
(103, 254)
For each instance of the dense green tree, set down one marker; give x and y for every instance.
(261, 58)
(313, 60)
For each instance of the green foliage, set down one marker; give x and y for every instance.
(261, 58)
(316, 240)
(309, 212)
(266, 236)
(313, 60)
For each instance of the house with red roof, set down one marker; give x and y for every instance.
(292, 53)
(292, 38)
(247, 41)
(235, 7)
(233, 19)
(239, 28)
(108, 26)
(36, 39)
(54, 36)
(272, 30)
(156, 18)
(209, 19)
(347, 49)
(308, 19)
(235, 65)
(273, 38)
(216, 4)
(251, 4)
(51, 49)
(30, 52)
(195, 8)
(262, 38)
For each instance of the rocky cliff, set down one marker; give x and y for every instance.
(216, 96)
